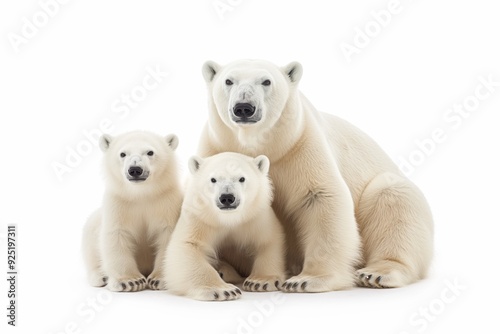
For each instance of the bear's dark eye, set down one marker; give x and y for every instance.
(242, 179)
(123, 155)
(151, 153)
(266, 83)
(213, 180)
(229, 82)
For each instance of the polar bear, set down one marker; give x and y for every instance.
(124, 241)
(350, 215)
(226, 208)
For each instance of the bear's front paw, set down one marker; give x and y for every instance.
(127, 284)
(380, 277)
(155, 283)
(221, 293)
(309, 283)
(295, 284)
(254, 283)
(98, 280)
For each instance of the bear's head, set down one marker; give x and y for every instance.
(250, 93)
(229, 187)
(139, 159)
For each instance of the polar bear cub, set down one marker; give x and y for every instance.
(124, 241)
(227, 206)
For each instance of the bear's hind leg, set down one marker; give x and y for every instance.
(396, 227)
(228, 273)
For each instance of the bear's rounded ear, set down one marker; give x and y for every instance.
(104, 142)
(209, 70)
(194, 164)
(172, 141)
(293, 71)
(262, 163)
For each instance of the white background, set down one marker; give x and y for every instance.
(65, 79)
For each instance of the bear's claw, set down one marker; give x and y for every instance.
(258, 284)
(370, 281)
(127, 284)
(227, 294)
(155, 283)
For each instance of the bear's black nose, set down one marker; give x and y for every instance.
(226, 199)
(135, 171)
(243, 110)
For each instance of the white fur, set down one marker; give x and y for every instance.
(207, 229)
(125, 240)
(343, 202)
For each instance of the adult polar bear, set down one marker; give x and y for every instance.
(328, 176)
